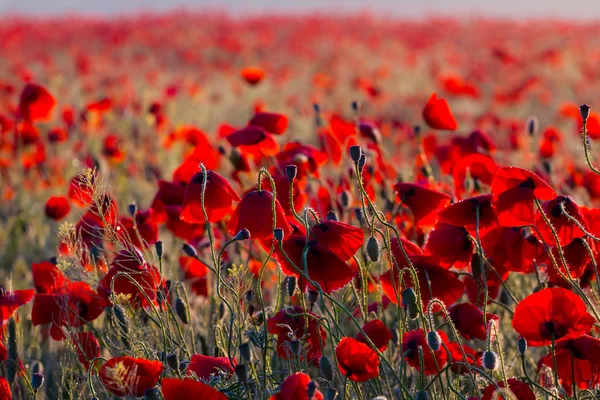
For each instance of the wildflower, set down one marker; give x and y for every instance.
(357, 361)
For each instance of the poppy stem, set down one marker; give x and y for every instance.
(555, 364)
(586, 149)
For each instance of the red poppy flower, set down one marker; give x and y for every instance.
(577, 258)
(295, 387)
(307, 158)
(464, 213)
(379, 334)
(176, 389)
(58, 135)
(69, 306)
(513, 193)
(87, 347)
(218, 198)
(473, 358)
(104, 209)
(80, 192)
(456, 86)
(437, 114)
(314, 337)
(254, 140)
(475, 289)
(551, 312)
(57, 207)
(566, 229)
(252, 75)
(356, 361)
(424, 203)
(189, 166)
(282, 186)
(47, 277)
(167, 208)
(36, 103)
(343, 239)
(254, 212)
(205, 366)
(141, 234)
(324, 266)
(479, 167)
(412, 340)
(520, 391)
(10, 301)
(513, 249)
(5, 393)
(468, 320)
(271, 122)
(128, 376)
(195, 271)
(450, 246)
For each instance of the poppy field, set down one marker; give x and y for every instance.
(196, 206)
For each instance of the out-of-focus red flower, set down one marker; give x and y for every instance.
(295, 387)
(254, 212)
(456, 354)
(437, 114)
(58, 135)
(520, 390)
(128, 376)
(11, 301)
(424, 203)
(176, 389)
(87, 347)
(577, 258)
(142, 233)
(450, 246)
(204, 366)
(218, 198)
(466, 212)
(252, 75)
(36, 103)
(468, 320)
(552, 312)
(480, 169)
(412, 340)
(47, 277)
(57, 207)
(379, 334)
(271, 122)
(195, 271)
(356, 361)
(5, 392)
(80, 192)
(112, 149)
(254, 140)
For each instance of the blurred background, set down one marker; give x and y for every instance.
(581, 9)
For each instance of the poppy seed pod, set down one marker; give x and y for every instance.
(409, 297)
(241, 371)
(245, 353)
(181, 309)
(292, 285)
(189, 250)
(243, 234)
(132, 209)
(326, 368)
(434, 340)
(522, 345)
(490, 360)
(291, 171)
(355, 153)
(278, 234)
(331, 394)
(413, 311)
(311, 388)
(362, 161)
(584, 110)
(152, 394)
(346, 198)
(422, 395)
(37, 380)
(158, 246)
(532, 125)
(373, 250)
(331, 216)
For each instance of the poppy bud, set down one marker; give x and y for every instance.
(355, 104)
(249, 295)
(417, 130)
(413, 311)
(355, 153)
(313, 296)
(37, 380)
(532, 125)
(584, 110)
(13, 351)
(331, 394)
(522, 345)
(158, 246)
(317, 107)
(190, 251)
(222, 150)
(53, 260)
(490, 360)
(243, 234)
(278, 234)
(422, 395)
(331, 216)
(476, 266)
(373, 249)
(245, 351)
(152, 394)
(434, 340)
(241, 371)
(251, 309)
(132, 209)
(291, 171)
(173, 361)
(409, 297)
(181, 309)
(312, 388)
(122, 318)
(258, 319)
(292, 284)
(362, 161)
(326, 368)
(358, 214)
(37, 367)
(295, 347)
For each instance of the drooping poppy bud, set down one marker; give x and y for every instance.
(490, 360)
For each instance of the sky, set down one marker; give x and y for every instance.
(522, 9)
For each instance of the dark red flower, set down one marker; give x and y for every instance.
(5, 393)
(57, 207)
(195, 272)
(513, 249)
(271, 122)
(177, 389)
(450, 246)
(254, 212)
(10, 301)
(295, 387)
(218, 198)
(254, 140)
(437, 114)
(513, 193)
(552, 312)
(87, 347)
(473, 358)
(356, 361)
(142, 233)
(464, 214)
(424, 203)
(252, 75)
(128, 376)
(468, 320)
(80, 191)
(412, 340)
(565, 229)
(297, 324)
(204, 366)
(479, 167)
(36, 103)
(47, 277)
(577, 258)
(520, 391)
(343, 239)
(307, 158)
(377, 332)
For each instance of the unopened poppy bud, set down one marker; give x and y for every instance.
(331, 216)
(292, 284)
(313, 296)
(245, 351)
(241, 371)
(152, 394)
(409, 297)
(331, 394)
(584, 110)
(173, 361)
(355, 153)
(122, 318)
(278, 234)
(326, 368)
(222, 150)
(158, 246)
(54, 260)
(362, 161)
(413, 311)
(417, 130)
(37, 380)
(190, 251)
(251, 309)
(243, 234)
(346, 198)
(37, 367)
(422, 395)
(490, 360)
(532, 125)
(355, 105)
(291, 171)
(522, 345)
(434, 340)
(182, 311)
(258, 319)
(312, 388)
(316, 107)
(132, 209)
(295, 347)
(373, 250)
(358, 214)
(249, 295)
